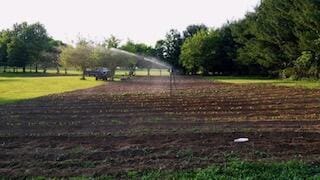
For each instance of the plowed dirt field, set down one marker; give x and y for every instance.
(139, 124)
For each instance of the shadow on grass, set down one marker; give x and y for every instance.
(8, 80)
(33, 74)
(13, 101)
(258, 80)
(241, 78)
(5, 101)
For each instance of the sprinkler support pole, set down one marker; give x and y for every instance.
(172, 80)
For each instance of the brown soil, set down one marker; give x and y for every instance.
(140, 124)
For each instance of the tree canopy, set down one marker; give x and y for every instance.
(25, 44)
(280, 38)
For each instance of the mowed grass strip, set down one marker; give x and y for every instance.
(231, 170)
(306, 83)
(18, 87)
(144, 72)
(244, 170)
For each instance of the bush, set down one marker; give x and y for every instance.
(314, 72)
(288, 73)
(303, 64)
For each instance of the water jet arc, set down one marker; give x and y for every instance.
(147, 59)
(153, 61)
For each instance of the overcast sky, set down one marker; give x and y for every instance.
(140, 20)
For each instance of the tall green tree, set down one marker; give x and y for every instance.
(80, 56)
(279, 32)
(226, 51)
(104, 57)
(112, 42)
(142, 50)
(138, 48)
(26, 44)
(17, 53)
(199, 52)
(50, 57)
(170, 48)
(193, 29)
(251, 52)
(160, 49)
(4, 41)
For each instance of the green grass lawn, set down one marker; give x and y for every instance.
(241, 170)
(231, 170)
(144, 72)
(21, 86)
(311, 84)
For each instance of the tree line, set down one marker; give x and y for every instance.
(279, 39)
(86, 54)
(28, 45)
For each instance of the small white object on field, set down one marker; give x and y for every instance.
(241, 140)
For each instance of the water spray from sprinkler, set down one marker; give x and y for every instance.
(153, 61)
(147, 59)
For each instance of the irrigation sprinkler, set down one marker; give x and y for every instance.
(172, 78)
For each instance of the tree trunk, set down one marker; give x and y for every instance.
(113, 72)
(30, 68)
(83, 75)
(36, 68)
(170, 76)
(58, 70)
(149, 72)
(4, 69)
(65, 71)
(23, 69)
(44, 70)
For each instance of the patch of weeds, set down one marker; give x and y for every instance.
(76, 164)
(260, 154)
(196, 130)
(38, 178)
(117, 122)
(92, 178)
(146, 151)
(205, 158)
(243, 170)
(87, 164)
(231, 156)
(168, 152)
(109, 160)
(232, 170)
(185, 153)
(133, 174)
(145, 131)
(154, 120)
(77, 149)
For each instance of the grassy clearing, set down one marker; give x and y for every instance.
(244, 170)
(21, 86)
(311, 84)
(144, 72)
(232, 170)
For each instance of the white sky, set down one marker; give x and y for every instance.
(140, 20)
